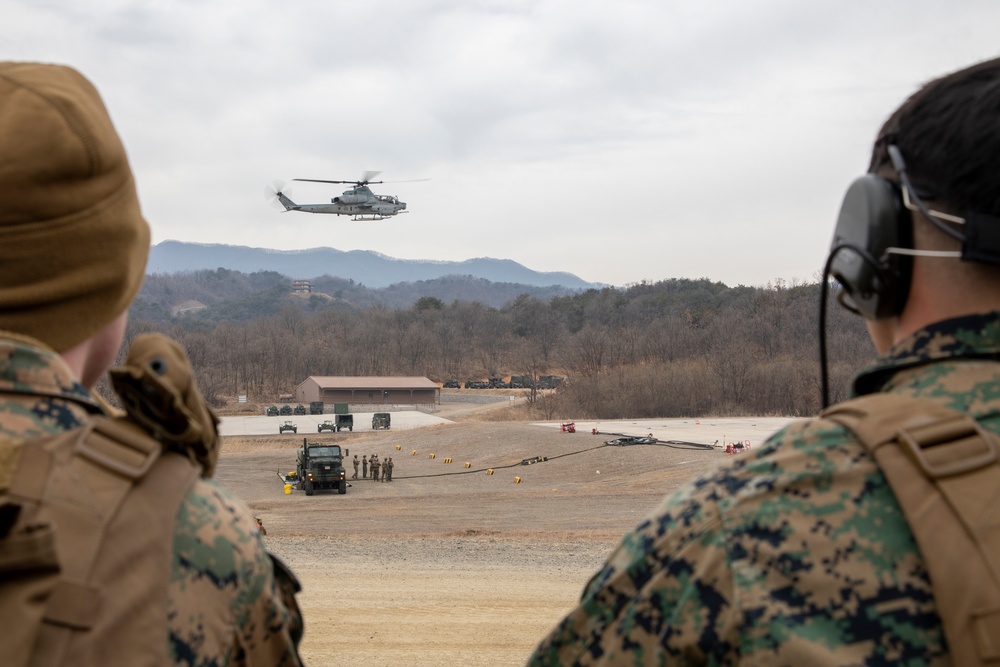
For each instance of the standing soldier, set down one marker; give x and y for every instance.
(375, 467)
(731, 569)
(364, 467)
(201, 586)
(389, 465)
(385, 471)
(355, 476)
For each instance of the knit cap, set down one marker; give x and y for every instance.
(73, 242)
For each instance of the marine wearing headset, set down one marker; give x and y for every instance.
(799, 553)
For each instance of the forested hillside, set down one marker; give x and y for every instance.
(666, 349)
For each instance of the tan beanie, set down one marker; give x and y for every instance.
(73, 242)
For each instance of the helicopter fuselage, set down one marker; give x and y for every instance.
(360, 203)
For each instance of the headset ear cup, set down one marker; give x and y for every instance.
(872, 219)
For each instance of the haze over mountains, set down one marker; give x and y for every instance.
(362, 266)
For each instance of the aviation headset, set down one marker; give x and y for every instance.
(872, 252)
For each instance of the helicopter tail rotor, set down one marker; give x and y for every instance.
(273, 192)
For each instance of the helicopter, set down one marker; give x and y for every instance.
(358, 202)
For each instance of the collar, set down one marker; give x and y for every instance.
(29, 367)
(966, 337)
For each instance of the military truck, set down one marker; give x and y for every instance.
(300, 409)
(327, 425)
(271, 411)
(345, 421)
(320, 466)
(287, 426)
(316, 408)
(380, 420)
(285, 411)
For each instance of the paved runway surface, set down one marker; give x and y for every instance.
(704, 431)
(261, 425)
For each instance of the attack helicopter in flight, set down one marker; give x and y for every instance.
(359, 202)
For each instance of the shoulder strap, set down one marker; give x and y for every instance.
(78, 483)
(29, 567)
(944, 470)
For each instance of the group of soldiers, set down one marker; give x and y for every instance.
(376, 465)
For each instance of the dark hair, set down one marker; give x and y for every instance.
(949, 135)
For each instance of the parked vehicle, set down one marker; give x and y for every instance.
(380, 421)
(345, 421)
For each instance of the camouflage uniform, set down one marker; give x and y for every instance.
(219, 559)
(375, 467)
(794, 553)
(355, 467)
(364, 463)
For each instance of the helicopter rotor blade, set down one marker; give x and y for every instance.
(367, 176)
(317, 180)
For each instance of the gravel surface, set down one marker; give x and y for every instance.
(449, 564)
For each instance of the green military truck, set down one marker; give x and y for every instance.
(345, 421)
(327, 425)
(320, 466)
(380, 420)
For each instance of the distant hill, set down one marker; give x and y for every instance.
(362, 266)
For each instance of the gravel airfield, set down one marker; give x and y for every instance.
(449, 564)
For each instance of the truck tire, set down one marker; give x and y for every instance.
(309, 487)
(343, 487)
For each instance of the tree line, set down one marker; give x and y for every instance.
(674, 348)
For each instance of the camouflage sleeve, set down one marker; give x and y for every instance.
(794, 554)
(663, 597)
(228, 602)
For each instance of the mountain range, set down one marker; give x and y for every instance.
(366, 267)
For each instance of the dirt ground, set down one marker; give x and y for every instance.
(449, 564)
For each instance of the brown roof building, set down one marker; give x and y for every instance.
(368, 390)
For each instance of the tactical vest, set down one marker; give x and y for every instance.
(86, 536)
(944, 470)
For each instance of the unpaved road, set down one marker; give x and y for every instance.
(450, 565)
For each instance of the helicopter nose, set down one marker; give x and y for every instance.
(402, 205)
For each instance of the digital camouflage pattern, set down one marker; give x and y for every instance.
(225, 604)
(794, 554)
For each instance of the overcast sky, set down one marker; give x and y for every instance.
(620, 141)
